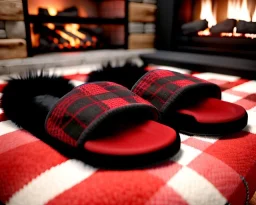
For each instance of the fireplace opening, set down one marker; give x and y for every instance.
(221, 26)
(67, 25)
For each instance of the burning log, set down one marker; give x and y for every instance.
(246, 27)
(194, 27)
(45, 32)
(226, 26)
(42, 11)
(70, 12)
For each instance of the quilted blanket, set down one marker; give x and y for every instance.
(206, 171)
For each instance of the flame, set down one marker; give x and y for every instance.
(73, 28)
(206, 32)
(50, 26)
(73, 42)
(67, 37)
(208, 13)
(52, 11)
(254, 16)
(238, 11)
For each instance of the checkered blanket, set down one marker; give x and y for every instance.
(206, 171)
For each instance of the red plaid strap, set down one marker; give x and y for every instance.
(82, 112)
(172, 90)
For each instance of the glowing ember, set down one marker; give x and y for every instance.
(252, 36)
(206, 32)
(55, 40)
(234, 34)
(50, 26)
(52, 11)
(94, 39)
(208, 13)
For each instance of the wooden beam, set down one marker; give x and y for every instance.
(139, 12)
(13, 48)
(11, 10)
(137, 41)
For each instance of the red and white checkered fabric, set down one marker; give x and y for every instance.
(206, 171)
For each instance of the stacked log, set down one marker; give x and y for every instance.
(12, 30)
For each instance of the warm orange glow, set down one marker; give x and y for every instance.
(55, 40)
(73, 28)
(65, 44)
(52, 11)
(206, 32)
(94, 39)
(61, 46)
(67, 37)
(88, 43)
(234, 34)
(208, 13)
(238, 11)
(254, 16)
(50, 26)
(252, 36)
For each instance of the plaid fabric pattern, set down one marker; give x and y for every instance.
(206, 171)
(88, 104)
(160, 87)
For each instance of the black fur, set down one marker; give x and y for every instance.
(126, 75)
(19, 99)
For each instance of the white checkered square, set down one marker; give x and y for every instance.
(7, 127)
(230, 98)
(195, 189)
(183, 137)
(186, 155)
(248, 87)
(208, 76)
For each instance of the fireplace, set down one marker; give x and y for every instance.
(68, 25)
(206, 35)
(221, 27)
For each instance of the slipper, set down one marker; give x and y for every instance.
(111, 124)
(191, 105)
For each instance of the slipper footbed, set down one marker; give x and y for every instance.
(214, 111)
(143, 138)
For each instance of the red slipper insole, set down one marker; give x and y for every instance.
(144, 138)
(214, 111)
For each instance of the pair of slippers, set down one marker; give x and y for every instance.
(116, 125)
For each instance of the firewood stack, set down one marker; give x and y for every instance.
(142, 15)
(12, 30)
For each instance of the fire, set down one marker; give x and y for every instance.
(254, 16)
(52, 11)
(67, 37)
(73, 28)
(208, 13)
(238, 11)
(50, 26)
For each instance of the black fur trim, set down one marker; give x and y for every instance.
(126, 75)
(19, 99)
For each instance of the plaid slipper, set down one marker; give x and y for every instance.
(191, 105)
(112, 125)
